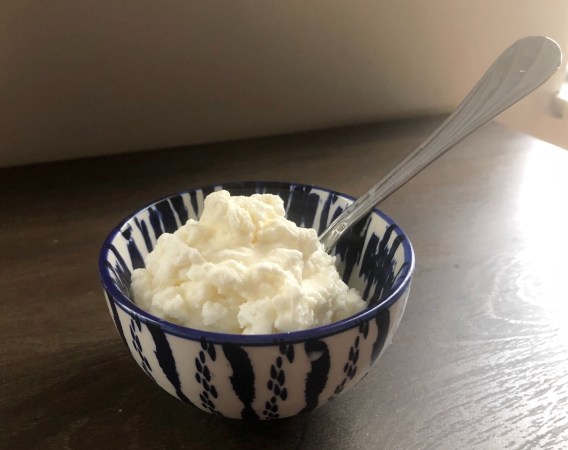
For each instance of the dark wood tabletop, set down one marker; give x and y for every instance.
(480, 359)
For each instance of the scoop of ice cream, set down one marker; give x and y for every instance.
(243, 268)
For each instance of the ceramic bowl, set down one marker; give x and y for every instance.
(262, 376)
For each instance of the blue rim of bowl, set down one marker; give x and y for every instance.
(194, 334)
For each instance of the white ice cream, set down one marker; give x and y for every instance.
(243, 268)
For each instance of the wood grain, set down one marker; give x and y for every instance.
(480, 359)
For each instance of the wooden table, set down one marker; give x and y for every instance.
(480, 359)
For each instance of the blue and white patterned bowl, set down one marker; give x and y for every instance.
(262, 376)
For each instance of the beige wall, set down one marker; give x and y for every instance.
(92, 77)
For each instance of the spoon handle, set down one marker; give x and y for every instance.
(519, 70)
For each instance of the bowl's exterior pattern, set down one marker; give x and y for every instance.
(271, 376)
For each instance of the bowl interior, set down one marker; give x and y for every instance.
(374, 256)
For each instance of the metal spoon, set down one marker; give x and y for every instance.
(519, 70)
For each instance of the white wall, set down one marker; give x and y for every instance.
(92, 77)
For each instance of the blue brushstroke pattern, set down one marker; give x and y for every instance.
(324, 216)
(120, 271)
(133, 251)
(166, 359)
(350, 246)
(378, 265)
(318, 354)
(242, 379)
(383, 324)
(155, 221)
(116, 319)
(167, 216)
(141, 225)
(179, 208)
